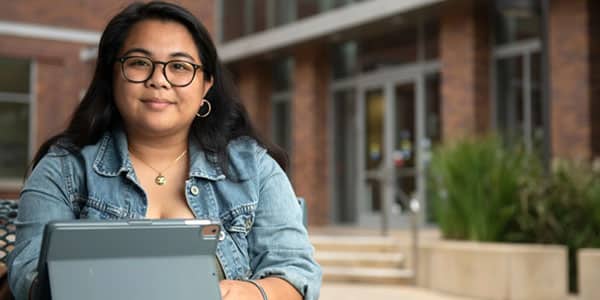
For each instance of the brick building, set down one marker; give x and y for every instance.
(357, 91)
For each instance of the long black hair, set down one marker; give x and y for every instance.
(97, 111)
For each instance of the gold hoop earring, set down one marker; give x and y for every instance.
(204, 115)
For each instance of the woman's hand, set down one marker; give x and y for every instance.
(239, 290)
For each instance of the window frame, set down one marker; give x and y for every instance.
(523, 51)
(286, 96)
(13, 183)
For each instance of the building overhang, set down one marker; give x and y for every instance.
(88, 38)
(318, 26)
(46, 32)
(304, 30)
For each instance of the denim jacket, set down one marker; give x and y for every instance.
(262, 221)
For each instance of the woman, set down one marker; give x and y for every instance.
(159, 135)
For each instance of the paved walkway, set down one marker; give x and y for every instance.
(354, 291)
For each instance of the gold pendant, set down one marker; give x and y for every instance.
(160, 180)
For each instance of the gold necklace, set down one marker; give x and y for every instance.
(160, 178)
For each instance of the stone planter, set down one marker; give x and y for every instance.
(588, 262)
(495, 270)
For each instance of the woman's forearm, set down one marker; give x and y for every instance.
(277, 288)
(274, 288)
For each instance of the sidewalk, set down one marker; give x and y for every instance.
(355, 291)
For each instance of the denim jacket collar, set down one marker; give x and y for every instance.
(203, 165)
(112, 158)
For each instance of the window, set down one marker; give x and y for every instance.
(282, 75)
(432, 39)
(241, 18)
(281, 122)
(519, 103)
(386, 47)
(281, 126)
(233, 19)
(15, 95)
(245, 17)
(344, 59)
(282, 12)
(516, 21)
(392, 47)
(333, 4)
(344, 154)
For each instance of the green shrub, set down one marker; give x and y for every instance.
(563, 208)
(483, 191)
(474, 187)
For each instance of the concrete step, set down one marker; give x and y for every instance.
(365, 259)
(355, 243)
(360, 259)
(367, 275)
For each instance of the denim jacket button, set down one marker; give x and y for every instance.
(195, 190)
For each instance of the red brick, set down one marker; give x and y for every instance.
(464, 54)
(87, 14)
(571, 105)
(254, 82)
(310, 169)
(594, 35)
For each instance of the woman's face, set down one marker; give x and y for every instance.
(156, 107)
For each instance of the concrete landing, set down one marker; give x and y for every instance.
(354, 291)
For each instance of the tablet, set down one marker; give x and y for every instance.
(129, 259)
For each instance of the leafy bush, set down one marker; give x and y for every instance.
(563, 208)
(474, 187)
(485, 192)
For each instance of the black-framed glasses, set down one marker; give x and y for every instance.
(138, 69)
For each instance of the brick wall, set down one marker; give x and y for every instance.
(60, 77)
(465, 59)
(309, 134)
(594, 35)
(87, 14)
(254, 82)
(571, 103)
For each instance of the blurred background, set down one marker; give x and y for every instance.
(361, 94)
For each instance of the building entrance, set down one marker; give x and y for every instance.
(387, 139)
(383, 130)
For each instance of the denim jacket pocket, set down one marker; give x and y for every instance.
(241, 223)
(237, 227)
(96, 209)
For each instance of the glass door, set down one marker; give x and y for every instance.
(344, 137)
(374, 149)
(388, 162)
(404, 140)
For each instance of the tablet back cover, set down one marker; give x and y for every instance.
(132, 260)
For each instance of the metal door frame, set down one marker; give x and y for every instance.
(387, 81)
